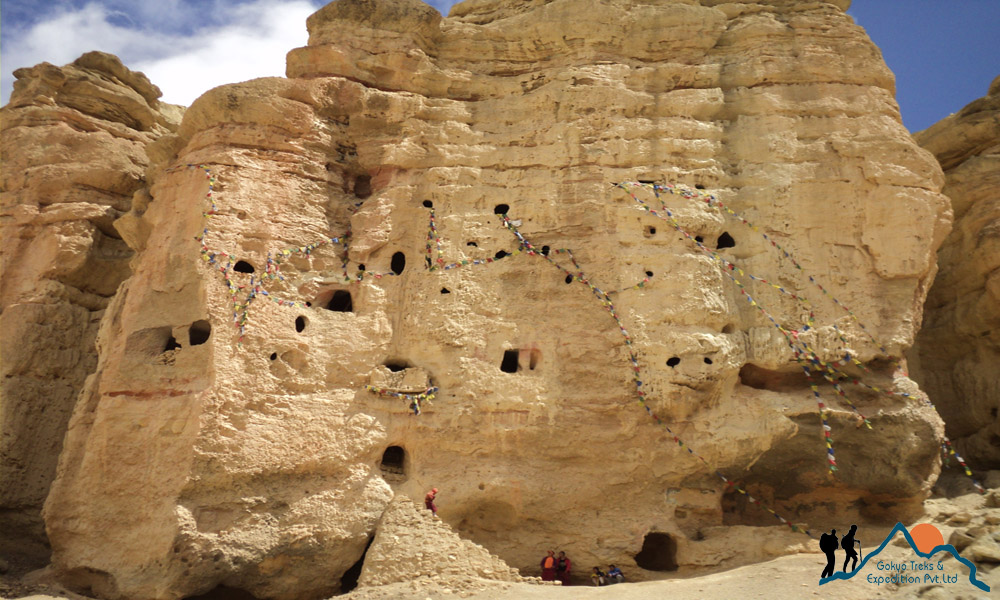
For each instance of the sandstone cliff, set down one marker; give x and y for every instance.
(73, 156)
(958, 349)
(249, 440)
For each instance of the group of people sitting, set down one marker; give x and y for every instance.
(614, 575)
(559, 568)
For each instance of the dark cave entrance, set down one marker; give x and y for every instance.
(725, 241)
(341, 302)
(659, 552)
(349, 580)
(398, 263)
(394, 460)
(243, 266)
(199, 332)
(509, 362)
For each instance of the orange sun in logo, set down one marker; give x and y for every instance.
(926, 537)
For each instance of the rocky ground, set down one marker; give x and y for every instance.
(969, 521)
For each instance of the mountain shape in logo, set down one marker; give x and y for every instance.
(900, 528)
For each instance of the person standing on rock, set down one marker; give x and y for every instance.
(563, 566)
(828, 544)
(429, 501)
(549, 566)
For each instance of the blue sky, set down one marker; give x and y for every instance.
(943, 52)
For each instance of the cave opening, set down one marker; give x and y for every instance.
(398, 263)
(396, 365)
(349, 580)
(199, 332)
(725, 241)
(341, 302)
(500, 254)
(569, 279)
(673, 361)
(650, 231)
(545, 250)
(428, 204)
(510, 359)
(171, 344)
(300, 323)
(445, 291)
(243, 266)
(394, 460)
(659, 552)
(767, 379)
(501, 209)
(363, 186)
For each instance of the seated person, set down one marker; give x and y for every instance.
(597, 577)
(615, 575)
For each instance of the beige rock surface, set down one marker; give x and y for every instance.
(264, 464)
(73, 156)
(792, 576)
(958, 349)
(410, 543)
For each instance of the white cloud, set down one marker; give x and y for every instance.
(185, 47)
(253, 46)
(251, 43)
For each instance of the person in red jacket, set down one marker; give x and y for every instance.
(549, 566)
(563, 567)
(429, 501)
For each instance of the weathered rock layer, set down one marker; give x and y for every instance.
(73, 156)
(253, 456)
(958, 349)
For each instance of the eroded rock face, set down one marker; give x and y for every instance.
(958, 348)
(261, 461)
(73, 140)
(410, 543)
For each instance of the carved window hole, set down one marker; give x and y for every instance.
(725, 241)
(243, 266)
(394, 461)
(300, 323)
(341, 302)
(398, 263)
(510, 361)
(199, 332)
(673, 361)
